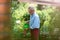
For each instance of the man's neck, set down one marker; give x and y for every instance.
(32, 13)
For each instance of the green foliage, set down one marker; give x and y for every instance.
(20, 12)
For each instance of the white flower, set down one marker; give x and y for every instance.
(18, 21)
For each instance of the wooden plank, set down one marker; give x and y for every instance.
(42, 2)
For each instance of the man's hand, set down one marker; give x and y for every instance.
(27, 22)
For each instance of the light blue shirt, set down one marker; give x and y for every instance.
(34, 21)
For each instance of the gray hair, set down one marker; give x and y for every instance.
(31, 7)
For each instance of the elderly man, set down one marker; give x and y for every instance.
(34, 23)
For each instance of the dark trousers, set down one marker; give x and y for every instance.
(34, 34)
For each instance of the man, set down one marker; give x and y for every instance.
(34, 24)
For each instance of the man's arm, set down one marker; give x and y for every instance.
(28, 21)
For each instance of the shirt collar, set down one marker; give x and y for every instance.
(33, 14)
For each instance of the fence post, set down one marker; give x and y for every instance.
(5, 19)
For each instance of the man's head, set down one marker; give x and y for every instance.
(31, 10)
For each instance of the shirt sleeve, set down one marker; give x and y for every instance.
(36, 23)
